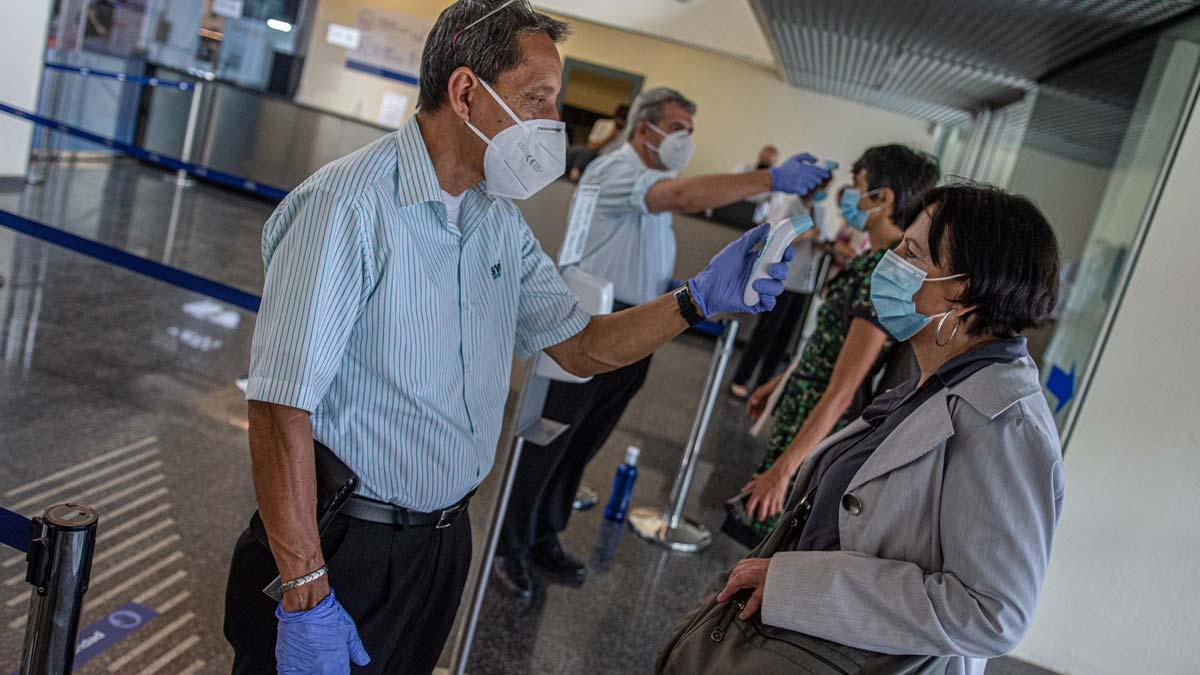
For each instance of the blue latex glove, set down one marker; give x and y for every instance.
(798, 175)
(318, 641)
(721, 286)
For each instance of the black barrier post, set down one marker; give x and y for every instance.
(60, 565)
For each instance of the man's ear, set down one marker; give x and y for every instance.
(461, 90)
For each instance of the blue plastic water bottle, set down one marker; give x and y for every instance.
(622, 489)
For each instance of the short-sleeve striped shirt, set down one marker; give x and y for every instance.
(628, 245)
(395, 329)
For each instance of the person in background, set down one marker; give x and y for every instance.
(925, 527)
(768, 156)
(606, 133)
(831, 384)
(605, 136)
(768, 343)
(400, 281)
(847, 244)
(632, 244)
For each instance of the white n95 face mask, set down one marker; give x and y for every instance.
(676, 148)
(523, 158)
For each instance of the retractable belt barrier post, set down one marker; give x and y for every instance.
(667, 526)
(58, 546)
(182, 167)
(528, 424)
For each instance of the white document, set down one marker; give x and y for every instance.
(343, 36)
(583, 207)
(228, 8)
(392, 109)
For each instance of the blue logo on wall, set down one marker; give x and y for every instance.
(1061, 384)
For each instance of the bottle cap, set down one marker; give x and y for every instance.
(631, 455)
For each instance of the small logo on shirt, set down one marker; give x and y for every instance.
(496, 271)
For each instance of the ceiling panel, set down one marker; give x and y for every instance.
(940, 59)
(723, 26)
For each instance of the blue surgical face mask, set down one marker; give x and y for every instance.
(855, 217)
(893, 284)
(819, 195)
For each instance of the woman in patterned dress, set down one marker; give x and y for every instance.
(849, 344)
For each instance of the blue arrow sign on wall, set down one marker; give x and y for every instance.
(1062, 385)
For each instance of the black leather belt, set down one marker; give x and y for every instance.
(386, 513)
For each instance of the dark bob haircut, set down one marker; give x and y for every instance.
(907, 172)
(488, 47)
(1004, 246)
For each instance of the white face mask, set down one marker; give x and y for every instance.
(523, 158)
(676, 149)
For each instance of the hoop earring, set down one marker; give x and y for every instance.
(937, 335)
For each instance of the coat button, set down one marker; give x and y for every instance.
(852, 503)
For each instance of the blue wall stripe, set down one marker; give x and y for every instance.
(129, 261)
(121, 77)
(213, 175)
(381, 72)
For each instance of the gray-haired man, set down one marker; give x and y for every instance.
(400, 280)
(632, 244)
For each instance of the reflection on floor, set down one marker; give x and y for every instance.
(125, 386)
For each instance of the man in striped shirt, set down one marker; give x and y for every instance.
(631, 242)
(397, 290)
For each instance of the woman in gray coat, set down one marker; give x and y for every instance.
(930, 519)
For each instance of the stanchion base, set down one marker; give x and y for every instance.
(585, 498)
(651, 525)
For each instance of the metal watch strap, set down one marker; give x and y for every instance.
(307, 578)
(683, 297)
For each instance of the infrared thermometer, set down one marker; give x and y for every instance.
(781, 236)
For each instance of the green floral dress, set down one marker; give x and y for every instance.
(847, 297)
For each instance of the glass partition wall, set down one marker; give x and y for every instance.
(1099, 142)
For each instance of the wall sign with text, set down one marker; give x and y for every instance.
(390, 44)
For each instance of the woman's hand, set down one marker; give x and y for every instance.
(749, 573)
(767, 492)
(757, 403)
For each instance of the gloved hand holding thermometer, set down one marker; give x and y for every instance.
(721, 287)
(773, 250)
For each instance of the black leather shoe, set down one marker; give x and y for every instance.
(562, 565)
(513, 572)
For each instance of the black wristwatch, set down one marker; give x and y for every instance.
(687, 309)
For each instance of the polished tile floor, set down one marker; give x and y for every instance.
(121, 388)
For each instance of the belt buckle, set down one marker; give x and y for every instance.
(444, 519)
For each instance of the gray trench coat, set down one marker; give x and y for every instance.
(945, 530)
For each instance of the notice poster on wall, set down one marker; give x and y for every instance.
(392, 109)
(390, 44)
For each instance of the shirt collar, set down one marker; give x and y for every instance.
(416, 181)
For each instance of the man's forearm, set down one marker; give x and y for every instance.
(697, 193)
(611, 341)
(285, 485)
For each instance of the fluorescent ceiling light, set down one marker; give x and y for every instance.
(279, 25)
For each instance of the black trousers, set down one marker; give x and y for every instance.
(400, 586)
(548, 476)
(769, 341)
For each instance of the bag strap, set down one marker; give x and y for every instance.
(789, 528)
